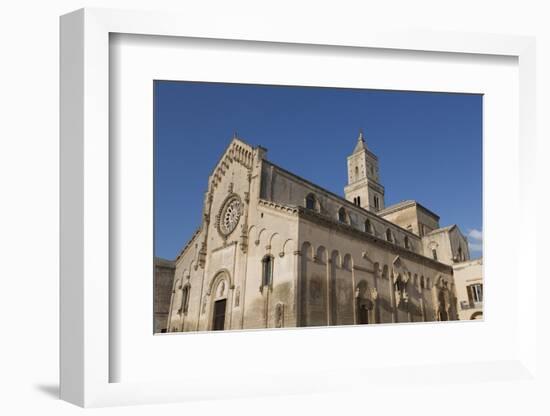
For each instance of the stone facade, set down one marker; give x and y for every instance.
(469, 289)
(164, 279)
(275, 250)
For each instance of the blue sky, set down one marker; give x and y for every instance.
(429, 146)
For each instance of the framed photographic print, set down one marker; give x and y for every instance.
(319, 211)
(268, 248)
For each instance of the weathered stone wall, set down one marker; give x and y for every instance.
(164, 278)
(187, 274)
(426, 221)
(395, 285)
(451, 246)
(283, 187)
(466, 274)
(221, 267)
(273, 233)
(411, 216)
(405, 218)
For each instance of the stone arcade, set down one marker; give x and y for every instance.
(275, 250)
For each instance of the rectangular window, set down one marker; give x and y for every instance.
(434, 254)
(475, 293)
(376, 202)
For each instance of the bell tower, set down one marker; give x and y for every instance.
(364, 188)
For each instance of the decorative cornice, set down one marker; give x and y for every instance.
(278, 207)
(347, 229)
(237, 152)
(191, 240)
(349, 205)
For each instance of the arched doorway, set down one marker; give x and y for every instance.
(219, 294)
(363, 304)
(218, 317)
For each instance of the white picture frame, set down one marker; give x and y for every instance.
(87, 356)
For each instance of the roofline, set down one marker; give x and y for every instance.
(366, 151)
(309, 215)
(401, 251)
(233, 139)
(188, 244)
(443, 229)
(407, 204)
(349, 204)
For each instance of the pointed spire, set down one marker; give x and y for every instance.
(235, 135)
(361, 145)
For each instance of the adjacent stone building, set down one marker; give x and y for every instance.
(164, 281)
(469, 289)
(275, 250)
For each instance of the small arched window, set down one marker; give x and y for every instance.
(389, 236)
(311, 202)
(356, 172)
(267, 271)
(342, 215)
(368, 226)
(422, 282)
(428, 283)
(460, 255)
(185, 299)
(407, 244)
(358, 201)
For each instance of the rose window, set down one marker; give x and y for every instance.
(230, 215)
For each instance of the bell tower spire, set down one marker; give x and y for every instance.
(361, 145)
(364, 188)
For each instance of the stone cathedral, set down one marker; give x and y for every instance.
(275, 250)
